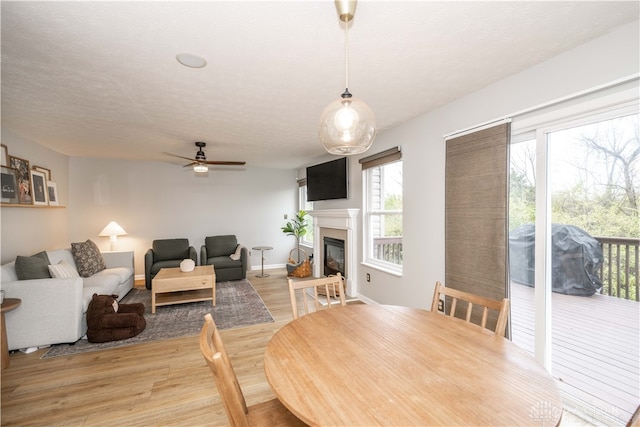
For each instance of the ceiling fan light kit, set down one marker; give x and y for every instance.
(200, 163)
(347, 125)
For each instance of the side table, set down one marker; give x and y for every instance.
(7, 305)
(262, 249)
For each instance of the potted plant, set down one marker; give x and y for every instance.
(297, 227)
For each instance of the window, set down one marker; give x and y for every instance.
(576, 169)
(382, 177)
(303, 204)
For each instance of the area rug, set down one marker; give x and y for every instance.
(237, 305)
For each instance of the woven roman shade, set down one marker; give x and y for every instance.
(384, 157)
(476, 214)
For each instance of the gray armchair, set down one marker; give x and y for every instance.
(217, 251)
(166, 253)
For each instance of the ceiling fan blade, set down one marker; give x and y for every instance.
(190, 164)
(180, 157)
(220, 162)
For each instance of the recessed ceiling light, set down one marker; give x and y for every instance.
(191, 60)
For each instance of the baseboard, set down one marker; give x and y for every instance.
(140, 277)
(267, 267)
(367, 300)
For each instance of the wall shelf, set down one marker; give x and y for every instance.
(18, 205)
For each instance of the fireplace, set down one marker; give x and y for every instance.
(333, 256)
(339, 224)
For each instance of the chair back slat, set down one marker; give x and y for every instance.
(332, 286)
(454, 302)
(485, 313)
(502, 307)
(469, 309)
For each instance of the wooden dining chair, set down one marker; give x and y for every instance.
(332, 286)
(269, 413)
(502, 307)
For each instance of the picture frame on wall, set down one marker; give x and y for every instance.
(52, 193)
(23, 179)
(39, 188)
(4, 155)
(9, 184)
(45, 171)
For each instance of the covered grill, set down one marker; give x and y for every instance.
(576, 259)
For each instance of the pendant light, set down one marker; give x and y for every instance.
(347, 125)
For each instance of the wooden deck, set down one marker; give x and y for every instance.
(595, 347)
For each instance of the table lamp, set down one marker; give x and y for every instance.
(113, 230)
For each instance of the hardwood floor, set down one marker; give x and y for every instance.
(162, 383)
(165, 383)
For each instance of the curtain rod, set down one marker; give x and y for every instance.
(508, 117)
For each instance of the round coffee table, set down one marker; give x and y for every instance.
(7, 305)
(262, 249)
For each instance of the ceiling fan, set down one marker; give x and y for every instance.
(200, 162)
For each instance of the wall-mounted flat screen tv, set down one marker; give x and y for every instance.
(328, 180)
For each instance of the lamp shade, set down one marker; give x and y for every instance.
(347, 126)
(112, 229)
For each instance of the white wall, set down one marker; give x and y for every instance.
(611, 57)
(26, 231)
(153, 200)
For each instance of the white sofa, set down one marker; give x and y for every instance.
(53, 311)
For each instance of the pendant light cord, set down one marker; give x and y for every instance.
(346, 93)
(346, 55)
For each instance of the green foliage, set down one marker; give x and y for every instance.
(393, 202)
(297, 226)
(598, 218)
(521, 200)
(393, 223)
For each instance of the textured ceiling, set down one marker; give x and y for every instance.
(100, 79)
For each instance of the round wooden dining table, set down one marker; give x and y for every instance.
(366, 365)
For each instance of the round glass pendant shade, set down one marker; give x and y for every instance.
(347, 126)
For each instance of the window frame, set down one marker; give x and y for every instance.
(306, 206)
(382, 159)
(539, 124)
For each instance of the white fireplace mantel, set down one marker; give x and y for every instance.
(337, 219)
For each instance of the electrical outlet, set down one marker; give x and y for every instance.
(286, 216)
(368, 277)
(441, 306)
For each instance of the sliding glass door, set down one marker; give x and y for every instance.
(574, 235)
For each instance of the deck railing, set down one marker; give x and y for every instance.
(620, 270)
(388, 249)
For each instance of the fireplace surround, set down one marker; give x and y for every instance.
(338, 224)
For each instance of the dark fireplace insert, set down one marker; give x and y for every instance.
(333, 256)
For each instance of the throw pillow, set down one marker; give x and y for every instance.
(236, 255)
(33, 267)
(88, 258)
(63, 270)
